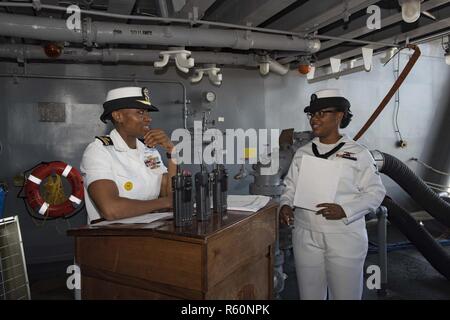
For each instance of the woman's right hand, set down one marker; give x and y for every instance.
(286, 215)
(156, 137)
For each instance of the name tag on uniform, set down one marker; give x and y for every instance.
(347, 155)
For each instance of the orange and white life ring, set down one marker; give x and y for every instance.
(37, 202)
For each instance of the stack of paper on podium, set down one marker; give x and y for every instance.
(317, 182)
(250, 203)
(145, 218)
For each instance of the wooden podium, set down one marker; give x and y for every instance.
(228, 258)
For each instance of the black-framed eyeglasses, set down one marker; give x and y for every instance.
(320, 114)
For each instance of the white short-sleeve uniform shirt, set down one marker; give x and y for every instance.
(136, 172)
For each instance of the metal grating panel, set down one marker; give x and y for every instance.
(13, 272)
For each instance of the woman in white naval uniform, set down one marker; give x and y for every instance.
(123, 176)
(330, 245)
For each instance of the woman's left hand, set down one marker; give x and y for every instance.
(331, 211)
(157, 136)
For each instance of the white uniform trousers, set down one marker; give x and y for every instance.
(332, 261)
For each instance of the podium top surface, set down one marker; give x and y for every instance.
(198, 231)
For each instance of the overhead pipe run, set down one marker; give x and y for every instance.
(25, 52)
(353, 66)
(41, 28)
(22, 53)
(337, 75)
(190, 21)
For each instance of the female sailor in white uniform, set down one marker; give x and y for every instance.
(123, 176)
(330, 245)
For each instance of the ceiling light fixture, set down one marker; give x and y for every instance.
(410, 10)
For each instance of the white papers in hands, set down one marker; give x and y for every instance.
(250, 203)
(317, 182)
(145, 218)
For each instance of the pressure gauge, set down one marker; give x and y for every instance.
(210, 96)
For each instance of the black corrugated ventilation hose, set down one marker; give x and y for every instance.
(419, 236)
(416, 188)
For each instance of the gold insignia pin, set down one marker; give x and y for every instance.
(144, 102)
(128, 185)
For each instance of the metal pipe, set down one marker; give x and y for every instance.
(134, 80)
(106, 33)
(431, 38)
(379, 158)
(324, 37)
(37, 28)
(163, 10)
(248, 60)
(191, 22)
(33, 52)
(337, 74)
(276, 67)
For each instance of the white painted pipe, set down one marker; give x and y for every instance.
(337, 74)
(277, 68)
(37, 28)
(33, 52)
(190, 21)
(163, 10)
(113, 33)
